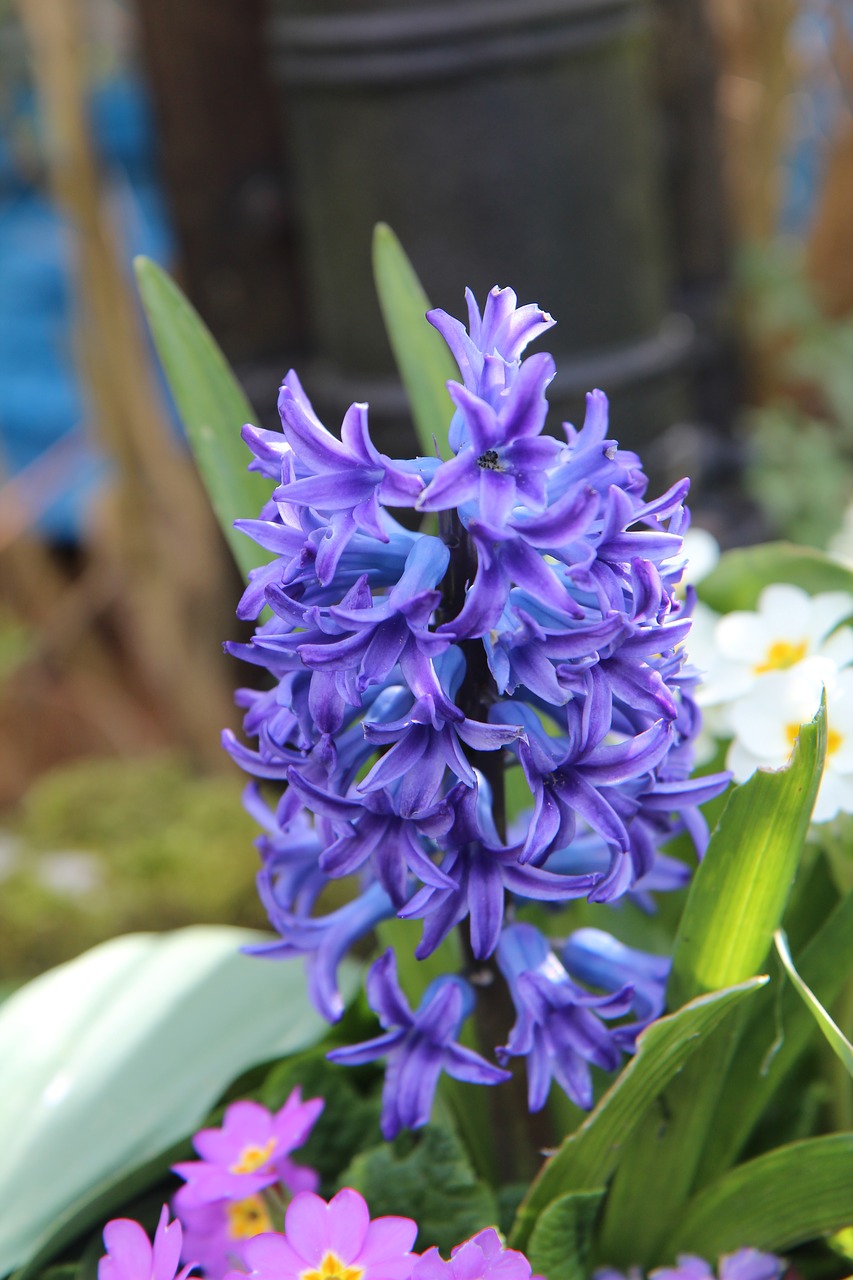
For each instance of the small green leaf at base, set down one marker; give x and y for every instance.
(561, 1242)
(427, 1174)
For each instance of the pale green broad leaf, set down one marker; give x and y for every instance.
(587, 1158)
(835, 1036)
(790, 1195)
(110, 1059)
(422, 357)
(743, 573)
(735, 903)
(212, 405)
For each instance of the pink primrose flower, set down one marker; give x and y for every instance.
(215, 1233)
(334, 1241)
(131, 1256)
(483, 1257)
(251, 1151)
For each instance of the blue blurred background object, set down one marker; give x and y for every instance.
(42, 404)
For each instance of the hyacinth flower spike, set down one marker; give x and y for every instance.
(539, 632)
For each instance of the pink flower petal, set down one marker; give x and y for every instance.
(293, 1123)
(270, 1255)
(349, 1222)
(386, 1255)
(129, 1252)
(244, 1124)
(306, 1226)
(167, 1248)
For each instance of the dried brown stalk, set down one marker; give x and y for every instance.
(157, 538)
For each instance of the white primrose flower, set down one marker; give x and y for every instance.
(766, 723)
(788, 627)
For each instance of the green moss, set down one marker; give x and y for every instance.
(113, 846)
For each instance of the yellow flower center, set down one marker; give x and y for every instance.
(247, 1218)
(833, 738)
(332, 1268)
(781, 655)
(252, 1158)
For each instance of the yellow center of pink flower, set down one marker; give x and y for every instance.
(247, 1218)
(253, 1157)
(332, 1268)
(780, 656)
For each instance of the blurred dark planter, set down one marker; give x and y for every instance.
(505, 141)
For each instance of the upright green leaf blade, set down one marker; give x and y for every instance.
(740, 889)
(108, 1060)
(835, 1036)
(788, 1196)
(212, 406)
(736, 900)
(424, 362)
(588, 1157)
(775, 1039)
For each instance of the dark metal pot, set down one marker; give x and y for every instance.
(505, 141)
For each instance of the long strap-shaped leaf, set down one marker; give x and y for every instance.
(739, 892)
(775, 1039)
(212, 406)
(736, 901)
(793, 1194)
(588, 1157)
(422, 357)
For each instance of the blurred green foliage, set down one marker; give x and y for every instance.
(800, 466)
(104, 847)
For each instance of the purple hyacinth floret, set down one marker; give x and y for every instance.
(418, 1046)
(532, 645)
(559, 1027)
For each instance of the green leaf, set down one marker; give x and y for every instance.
(835, 1036)
(784, 1198)
(212, 406)
(115, 1056)
(560, 1246)
(740, 889)
(427, 1174)
(735, 902)
(775, 1039)
(587, 1158)
(422, 356)
(742, 574)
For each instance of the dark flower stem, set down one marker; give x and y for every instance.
(519, 1136)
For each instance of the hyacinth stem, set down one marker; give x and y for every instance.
(520, 1136)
